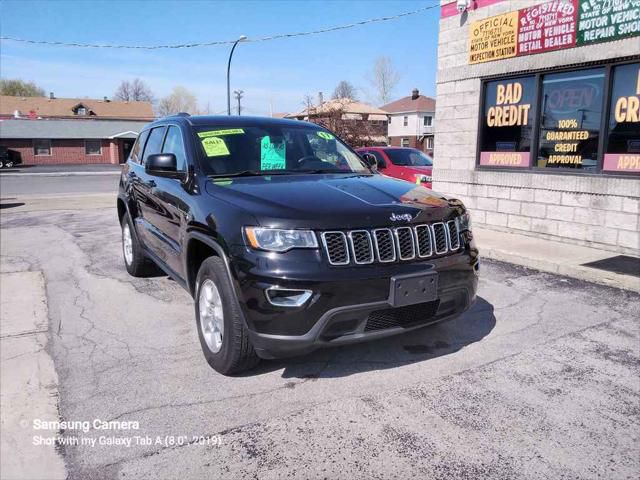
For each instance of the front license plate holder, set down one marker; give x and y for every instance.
(412, 289)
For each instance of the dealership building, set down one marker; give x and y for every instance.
(538, 117)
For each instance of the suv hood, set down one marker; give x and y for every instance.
(332, 201)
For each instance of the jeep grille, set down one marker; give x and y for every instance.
(387, 245)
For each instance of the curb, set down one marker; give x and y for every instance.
(602, 277)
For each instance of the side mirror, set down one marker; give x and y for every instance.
(162, 165)
(370, 161)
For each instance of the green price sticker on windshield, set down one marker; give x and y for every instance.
(214, 147)
(272, 154)
(326, 136)
(215, 133)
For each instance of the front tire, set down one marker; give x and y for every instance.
(223, 337)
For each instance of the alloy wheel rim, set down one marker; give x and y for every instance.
(127, 244)
(211, 315)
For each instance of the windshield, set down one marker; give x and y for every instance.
(274, 149)
(409, 157)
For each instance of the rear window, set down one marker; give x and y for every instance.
(408, 157)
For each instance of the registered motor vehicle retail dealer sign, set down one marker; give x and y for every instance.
(553, 25)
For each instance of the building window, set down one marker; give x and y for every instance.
(573, 130)
(81, 111)
(405, 141)
(507, 123)
(430, 143)
(42, 147)
(428, 121)
(390, 117)
(622, 150)
(93, 147)
(405, 121)
(570, 118)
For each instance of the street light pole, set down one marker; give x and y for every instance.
(242, 37)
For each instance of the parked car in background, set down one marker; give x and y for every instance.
(405, 163)
(8, 158)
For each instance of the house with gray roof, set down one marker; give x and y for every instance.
(48, 142)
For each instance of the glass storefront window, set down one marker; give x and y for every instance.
(622, 150)
(570, 117)
(507, 123)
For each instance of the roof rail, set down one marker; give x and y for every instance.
(180, 114)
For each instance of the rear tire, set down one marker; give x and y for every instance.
(136, 262)
(223, 336)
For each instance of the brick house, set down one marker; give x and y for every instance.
(73, 108)
(50, 142)
(411, 122)
(357, 123)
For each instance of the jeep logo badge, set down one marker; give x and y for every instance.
(405, 216)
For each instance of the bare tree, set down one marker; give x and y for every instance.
(20, 88)
(345, 90)
(307, 101)
(134, 91)
(357, 130)
(384, 79)
(180, 100)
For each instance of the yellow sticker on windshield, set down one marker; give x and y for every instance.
(214, 147)
(215, 133)
(326, 136)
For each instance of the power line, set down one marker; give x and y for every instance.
(223, 42)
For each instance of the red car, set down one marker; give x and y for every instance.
(408, 164)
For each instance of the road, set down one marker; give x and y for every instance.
(540, 379)
(12, 185)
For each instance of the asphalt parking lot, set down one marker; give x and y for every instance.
(540, 379)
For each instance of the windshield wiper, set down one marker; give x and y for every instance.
(250, 173)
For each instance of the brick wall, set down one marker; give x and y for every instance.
(594, 210)
(70, 151)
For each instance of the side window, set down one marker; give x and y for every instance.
(379, 159)
(136, 151)
(154, 144)
(173, 144)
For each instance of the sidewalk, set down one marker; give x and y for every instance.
(61, 170)
(550, 256)
(29, 381)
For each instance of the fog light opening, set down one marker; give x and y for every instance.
(287, 297)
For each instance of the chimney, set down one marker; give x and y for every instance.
(320, 99)
(51, 96)
(415, 94)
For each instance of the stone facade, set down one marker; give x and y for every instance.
(588, 209)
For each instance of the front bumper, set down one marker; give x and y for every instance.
(347, 305)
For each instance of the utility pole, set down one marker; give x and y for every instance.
(238, 94)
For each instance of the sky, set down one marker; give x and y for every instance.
(274, 75)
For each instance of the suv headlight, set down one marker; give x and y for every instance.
(465, 222)
(279, 240)
(423, 178)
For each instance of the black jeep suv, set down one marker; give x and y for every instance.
(287, 239)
